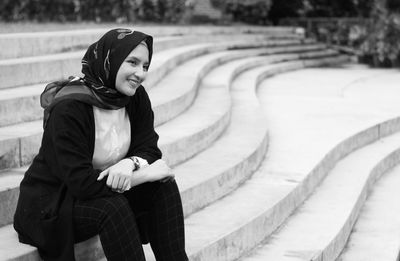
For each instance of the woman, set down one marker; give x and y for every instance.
(98, 170)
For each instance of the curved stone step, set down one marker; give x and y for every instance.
(21, 141)
(221, 77)
(318, 230)
(21, 104)
(46, 68)
(242, 148)
(39, 43)
(257, 136)
(230, 226)
(91, 244)
(10, 180)
(375, 236)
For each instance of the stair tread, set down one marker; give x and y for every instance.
(10, 248)
(217, 213)
(67, 55)
(290, 106)
(13, 238)
(316, 223)
(36, 89)
(375, 235)
(219, 76)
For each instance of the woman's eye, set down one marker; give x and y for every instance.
(145, 68)
(133, 62)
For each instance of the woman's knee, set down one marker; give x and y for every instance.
(168, 188)
(116, 207)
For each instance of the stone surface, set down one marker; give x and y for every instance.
(375, 235)
(32, 44)
(23, 102)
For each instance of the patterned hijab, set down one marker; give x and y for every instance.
(100, 65)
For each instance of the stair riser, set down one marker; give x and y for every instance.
(224, 183)
(180, 151)
(24, 109)
(35, 44)
(217, 250)
(19, 110)
(174, 107)
(333, 250)
(250, 235)
(8, 204)
(21, 151)
(51, 69)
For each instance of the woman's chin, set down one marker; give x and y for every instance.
(128, 90)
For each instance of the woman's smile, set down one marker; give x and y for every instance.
(134, 83)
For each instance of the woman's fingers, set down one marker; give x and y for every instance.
(115, 182)
(121, 183)
(127, 185)
(103, 174)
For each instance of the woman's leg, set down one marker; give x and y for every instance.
(113, 219)
(165, 220)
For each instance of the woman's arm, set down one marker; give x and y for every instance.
(121, 176)
(144, 137)
(70, 131)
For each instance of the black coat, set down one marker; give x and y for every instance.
(62, 172)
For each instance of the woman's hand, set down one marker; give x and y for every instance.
(158, 171)
(119, 175)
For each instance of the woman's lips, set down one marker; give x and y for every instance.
(134, 83)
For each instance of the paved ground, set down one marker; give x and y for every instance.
(308, 113)
(311, 110)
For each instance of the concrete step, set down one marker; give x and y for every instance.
(21, 104)
(41, 43)
(182, 173)
(46, 68)
(174, 143)
(375, 236)
(181, 131)
(234, 224)
(92, 243)
(219, 77)
(21, 141)
(321, 114)
(318, 230)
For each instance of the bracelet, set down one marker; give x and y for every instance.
(136, 163)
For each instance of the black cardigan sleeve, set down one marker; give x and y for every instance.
(70, 131)
(144, 138)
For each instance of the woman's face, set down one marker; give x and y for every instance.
(133, 70)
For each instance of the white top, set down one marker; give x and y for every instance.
(113, 136)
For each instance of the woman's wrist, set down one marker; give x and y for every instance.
(136, 163)
(138, 177)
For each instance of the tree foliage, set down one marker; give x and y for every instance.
(382, 46)
(91, 10)
(281, 9)
(248, 11)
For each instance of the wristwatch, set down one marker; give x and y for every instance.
(136, 163)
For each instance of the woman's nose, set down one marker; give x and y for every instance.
(140, 73)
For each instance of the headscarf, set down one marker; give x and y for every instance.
(100, 65)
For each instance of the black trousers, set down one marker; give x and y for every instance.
(148, 212)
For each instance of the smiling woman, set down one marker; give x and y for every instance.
(99, 169)
(133, 70)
